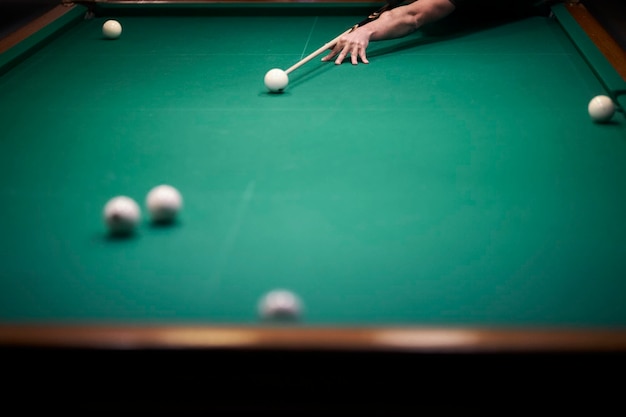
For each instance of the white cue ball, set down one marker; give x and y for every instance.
(111, 29)
(164, 202)
(601, 109)
(276, 80)
(280, 305)
(121, 215)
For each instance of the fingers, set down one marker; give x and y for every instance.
(363, 56)
(331, 54)
(342, 55)
(356, 52)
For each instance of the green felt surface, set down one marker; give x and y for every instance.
(456, 179)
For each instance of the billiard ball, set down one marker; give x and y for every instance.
(280, 305)
(111, 29)
(276, 80)
(601, 109)
(121, 215)
(164, 202)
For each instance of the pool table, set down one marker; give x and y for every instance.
(452, 197)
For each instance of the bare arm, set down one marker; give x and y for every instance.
(394, 23)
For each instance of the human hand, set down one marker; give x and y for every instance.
(354, 43)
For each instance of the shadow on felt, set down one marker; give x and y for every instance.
(450, 28)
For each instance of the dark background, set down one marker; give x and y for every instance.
(612, 15)
(15, 13)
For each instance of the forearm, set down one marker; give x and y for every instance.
(406, 19)
(394, 23)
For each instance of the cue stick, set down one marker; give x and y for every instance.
(325, 47)
(390, 5)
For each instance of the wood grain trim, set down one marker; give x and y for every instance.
(299, 338)
(33, 26)
(603, 40)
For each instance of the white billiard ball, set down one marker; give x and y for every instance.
(280, 305)
(121, 215)
(111, 29)
(164, 202)
(276, 80)
(601, 109)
